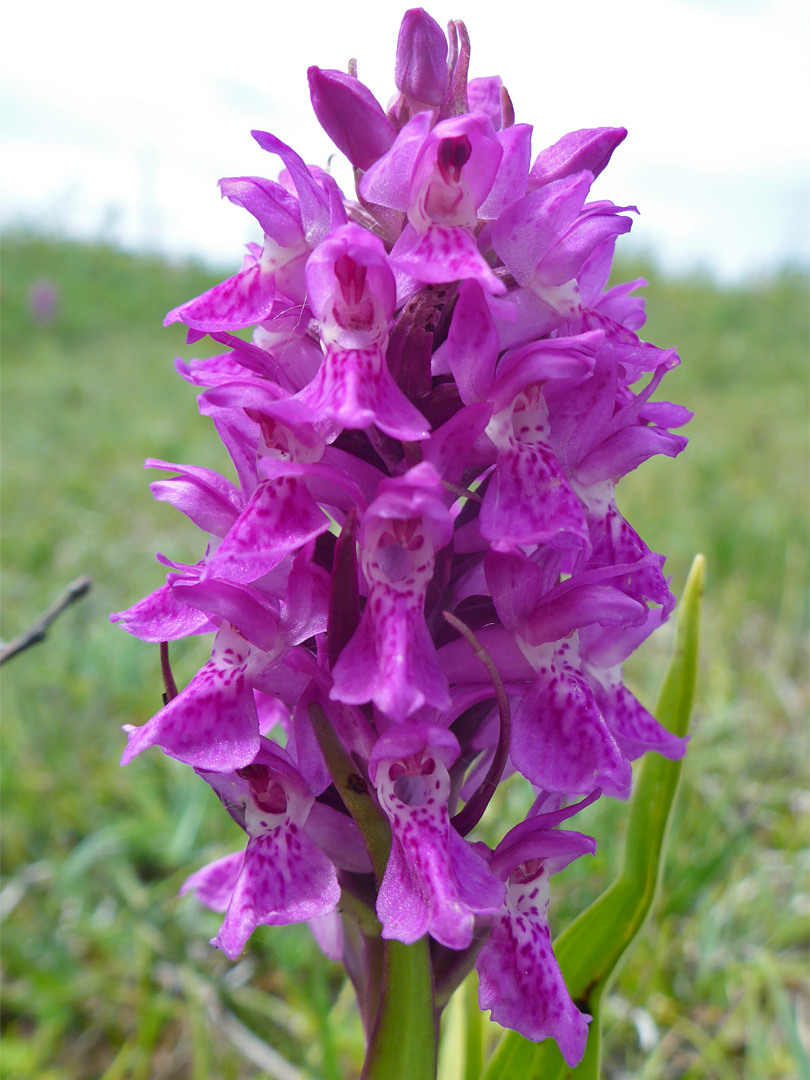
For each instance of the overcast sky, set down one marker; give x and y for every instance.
(117, 120)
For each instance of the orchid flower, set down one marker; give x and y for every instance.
(420, 581)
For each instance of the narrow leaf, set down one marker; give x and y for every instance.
(589, 950)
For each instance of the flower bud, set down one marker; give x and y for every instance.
(350, 115)
(588, 150)
(421, 65)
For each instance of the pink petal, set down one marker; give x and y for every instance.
(240, 301)
(520, 980)
(529, 501)
(444, 253)
(391, 660)
(635, 729)
(208, 499)
(471, 348)
(214, 884)
(532, 225)
(355, 387)
(212, 723)
(162, 616)
(285, 878)
(588, 148)
(281, 517)
(560, 741)
(513, 171)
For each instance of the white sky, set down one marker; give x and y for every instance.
(117, 120)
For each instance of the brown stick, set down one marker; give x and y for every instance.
(38, 630)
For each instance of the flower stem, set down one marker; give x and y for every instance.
(352, 789)
(403, 1040)
(170, 685)
(403, 1036)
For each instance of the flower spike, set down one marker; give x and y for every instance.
(419, 583)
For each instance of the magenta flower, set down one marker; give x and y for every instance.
(519, 979)
(439, 178)
(352, 294)
(391, 659)
(283, 876)
(435, 883)
(420, 581)
(44, 298)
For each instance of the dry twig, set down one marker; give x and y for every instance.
(38, 630)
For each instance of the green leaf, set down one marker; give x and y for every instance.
(461, 1040)
(590, 949)
(474, 1040)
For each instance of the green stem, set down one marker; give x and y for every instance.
(403, 1041)
(403, 1037)
(353, 789)
(473, 1034)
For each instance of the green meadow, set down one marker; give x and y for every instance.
(107, 975)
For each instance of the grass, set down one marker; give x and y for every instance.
(108, 975)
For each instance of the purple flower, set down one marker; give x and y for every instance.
(283, 876)
(276, 268)
(44, 297)
(435, 882)
(529, 500)
(212, 723)
(352, 293)
(420, 581)
(519, 979)
(440, 178)
(391, 659)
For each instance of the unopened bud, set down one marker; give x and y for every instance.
(586, 150)
(350, 115)
(421, 65)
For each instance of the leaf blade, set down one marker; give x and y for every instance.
(590, 948)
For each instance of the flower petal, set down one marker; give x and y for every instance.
(520, 979)
(285, 878)
(212, 723)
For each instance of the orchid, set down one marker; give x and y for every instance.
(421, 583)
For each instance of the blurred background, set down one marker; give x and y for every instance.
(116, 125)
